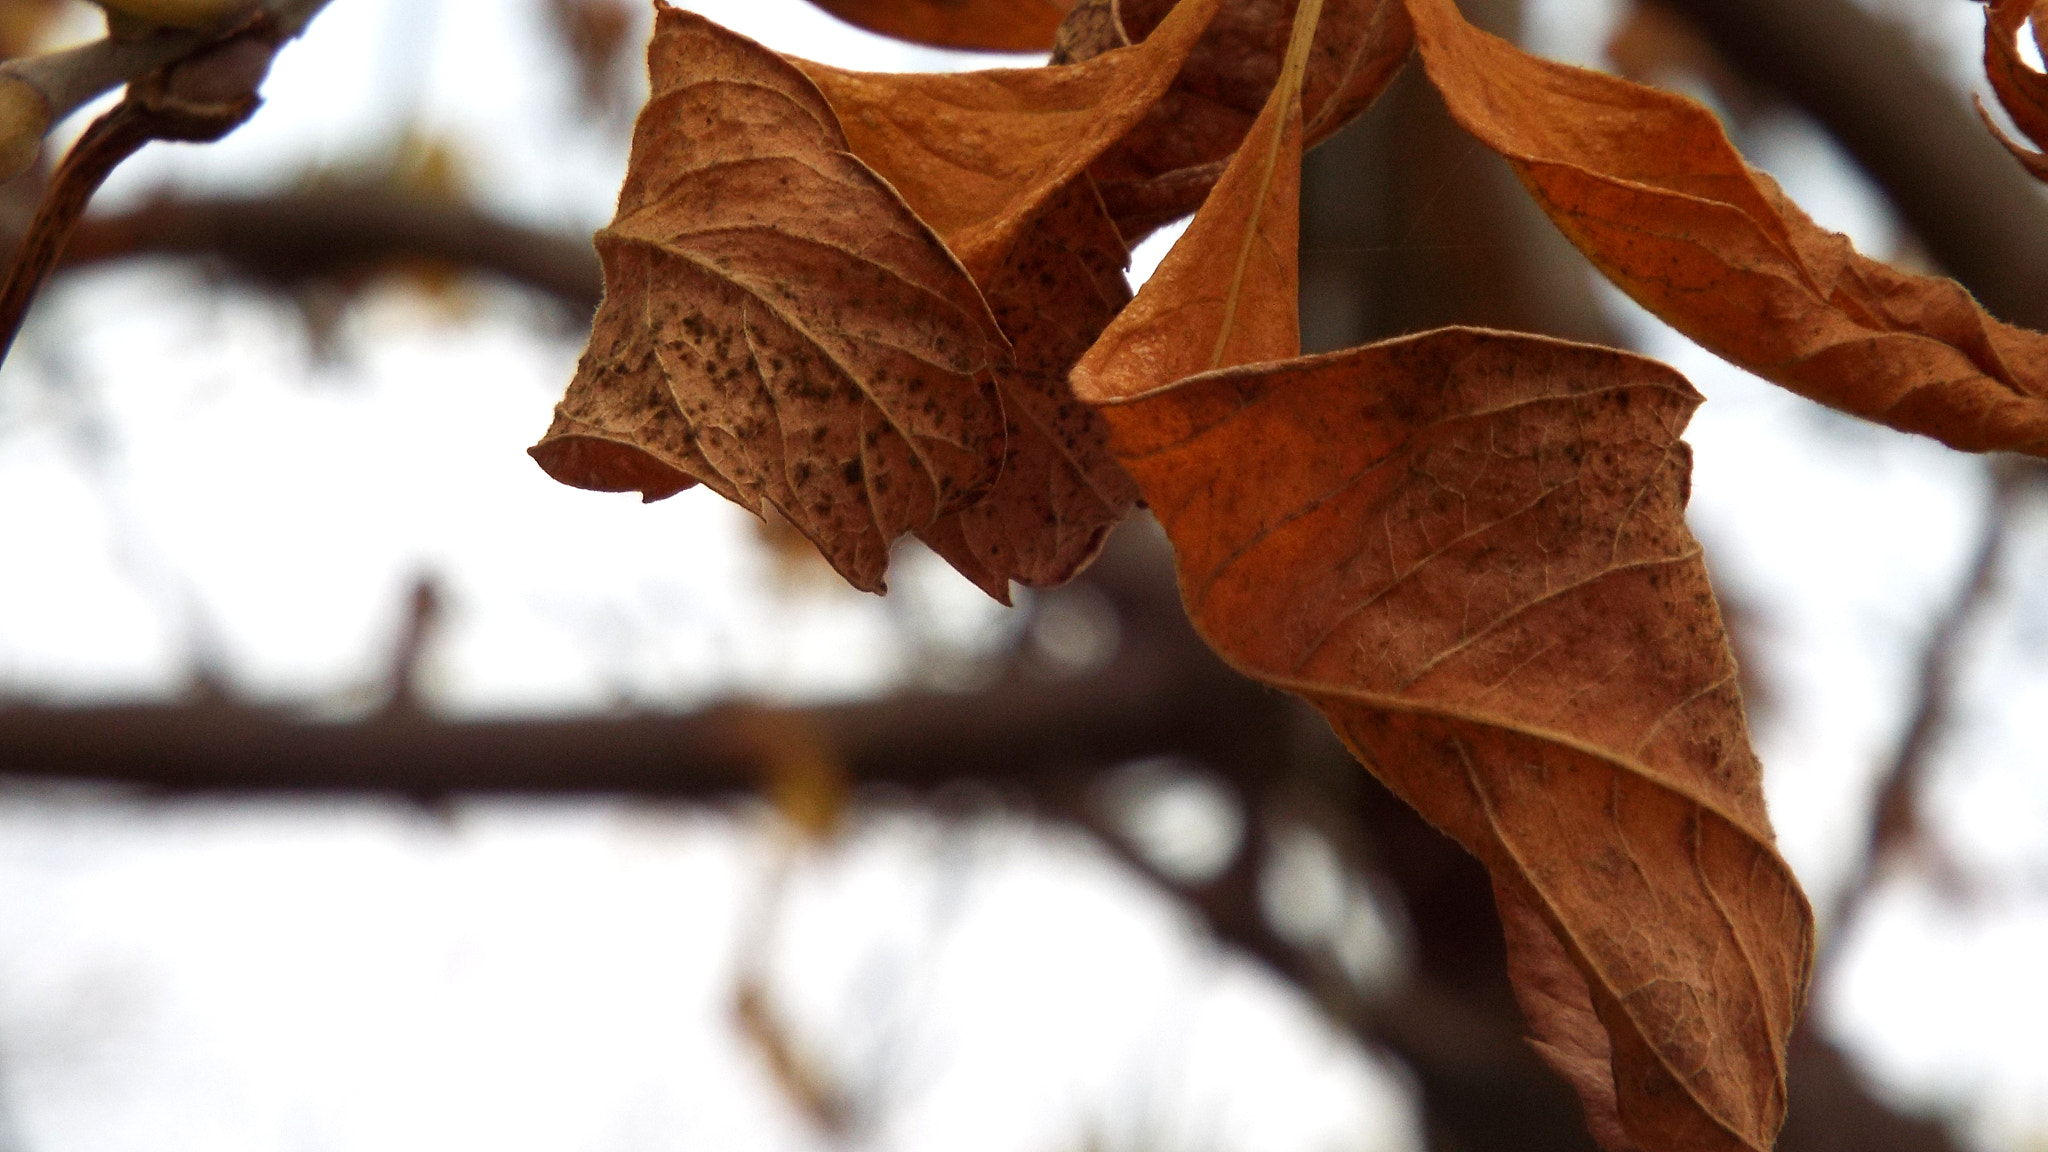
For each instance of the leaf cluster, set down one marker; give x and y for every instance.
(881, 305)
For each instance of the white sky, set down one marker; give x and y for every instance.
(177, 470)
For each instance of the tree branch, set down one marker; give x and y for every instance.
(1894, 822)
(338, 231)
(66, 81)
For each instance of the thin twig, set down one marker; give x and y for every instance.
(198, 99)
(70, 79)
(342, 231)
(1895, 822)
(112, 138)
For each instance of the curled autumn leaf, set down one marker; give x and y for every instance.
(1226, 293)
(978, 155)
(1647, 185)
(777, 323)
(980, 25)
(2022, 89)
(1061, 489)
(996, 161)
(1558, 1004)
(1166, 165)
(1468, 549)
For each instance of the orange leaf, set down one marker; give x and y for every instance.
(1061, 489)
(1165, 167)
(1226, 294)
(2022, 90)
(777, 323)
(1468, 549)
(1558, 1004)
(997, 162)
(979, 154)
(985, 25)
(1647, 185)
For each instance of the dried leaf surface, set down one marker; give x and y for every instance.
(1565, 1025)
(777, 323)
(978, 155)
(1647, 185)
(1469, 550)
(2022, 90)
(1226, 294)
(1061, 489)
(997, 162)
(1164, 168)
(985, 25)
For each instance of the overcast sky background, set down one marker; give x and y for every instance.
(183, 476)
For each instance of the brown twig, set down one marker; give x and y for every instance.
(343, 230)
(112, 138)
(1895, 823)
(198, 99)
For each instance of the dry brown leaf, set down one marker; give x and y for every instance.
(997, 162)
(1469, 550)
(777, 323)
(1558, 1005)
(984, 25)
(1226, 294)
(1061, 489)
(1647, 185)
(1165, 167)
(979, 154)
(2022, 90)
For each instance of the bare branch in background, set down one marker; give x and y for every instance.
(1895, 820)
(1042, 742)
(340, 231)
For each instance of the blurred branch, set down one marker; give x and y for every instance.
(290, 237)
(1143, 700)
(1978, 213)
(1895, 824)
(1481, 1087)
(1038, 739)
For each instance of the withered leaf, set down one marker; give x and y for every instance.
(984, 25)
(1566, 1027)
(997, 162)
(1468, 549)
(1647, 185)
(1226, 293)
(1061, 489)
(777, 323)
(1166, 165)
(2022, 90)
(979, 154)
